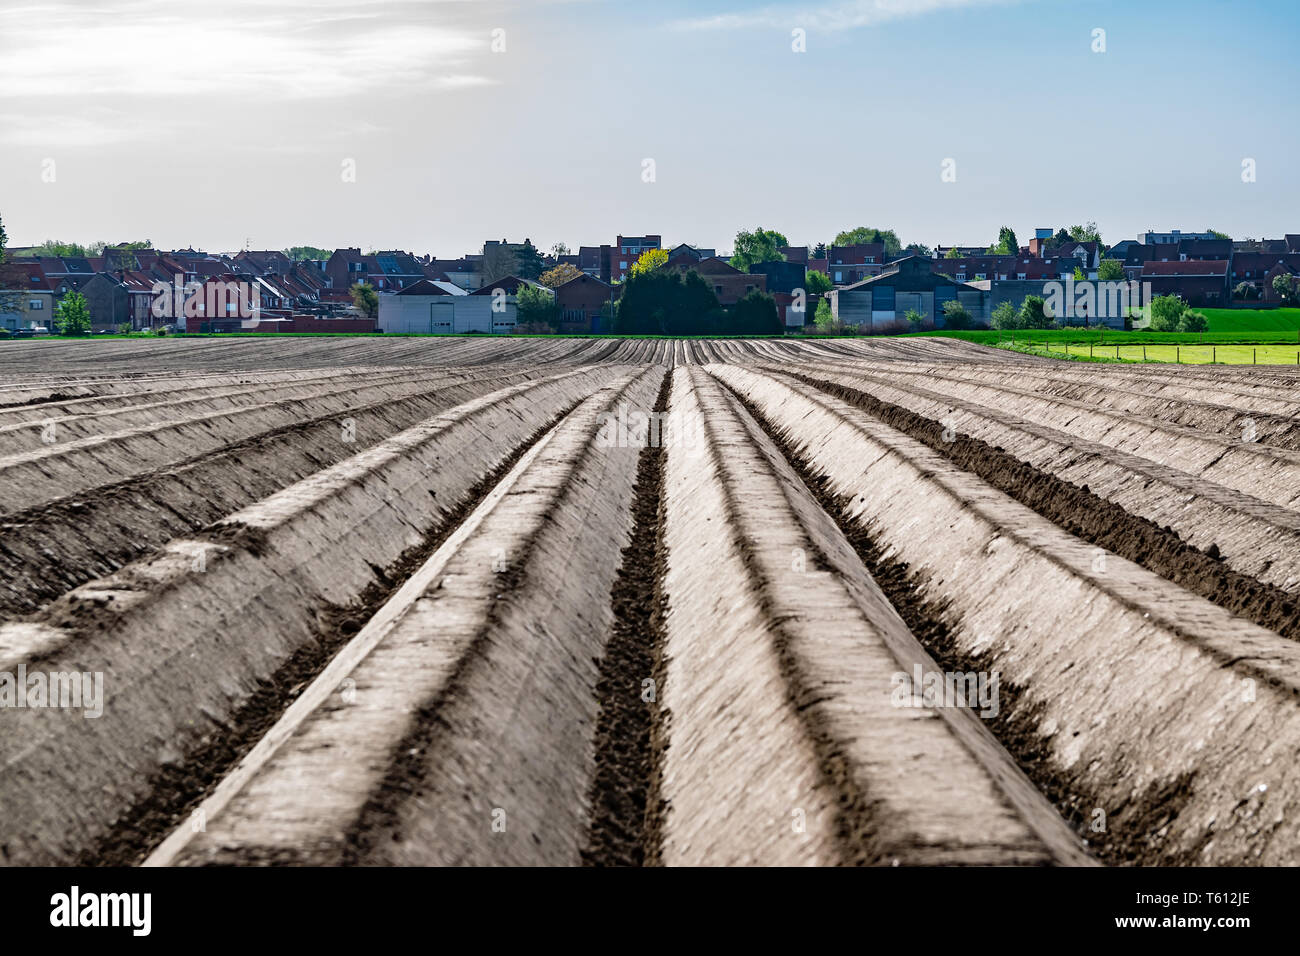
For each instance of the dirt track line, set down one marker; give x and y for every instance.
(477, 695)
(1264, 471)
(185, 638)
(785, 741)
(48, 550)
(1130, 696)
(624, 790)
(1071, 481)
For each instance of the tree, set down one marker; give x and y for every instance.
(1166, 313)
(863, 234)
(1285, 287)
(1219, 235)
(1085, 233)
(554, 278)
(952, 253)
(303, 253)
(1245, 291)
(1110, 270)
(537, 308)
(761, 245)
(1006, 317)
(649, 261)
(560, 249)
(1078, 275)
(365, 298)
(955, 316)
(819, 251)
(825, 319)
(918, 249)
(73, 315)
(1061, 238)
(755, 314)
(4, 240)
(664, 302)
(816, 283)
(915, 320)
(1007, 245)
(1033, 313)
(529, 262)
(1193, 322)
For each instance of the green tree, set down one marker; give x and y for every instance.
(1033, 313)
(1006, 317)
(819, 251)
(1078, 275)
(918, 249)
(761, 245)
(554, 278)
(862, 234)
(1244, 291)
(536, 307)
(1166, 313)
(365, 298)
(952, 253)
(1110, 270)
(649, 261)
(955, 316)
(304, 253)
(915, 320)
(1219, 235)
(1193, 322)
(755, 314)
(664, 302)
(1007, 245)
(1285, 287)
(1061, 238)
(1085, 233)
(817, 283)
(4, 241)
(825, 319)
(73, 315)
(528, 261)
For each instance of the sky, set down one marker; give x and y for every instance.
(432, 125)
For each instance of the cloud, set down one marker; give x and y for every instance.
(830, 17)
(294, 50)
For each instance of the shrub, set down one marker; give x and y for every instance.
(1193, 322)
(955, 316)
(1166, 312)
(1033, 314)
(1006, 317)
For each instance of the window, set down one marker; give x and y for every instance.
(981, 275)
(870, 259)
(1020, 275)
(36, 305)
(839, 277)
(749, 288)
(961, 277)
(622, 265)
(717, 290)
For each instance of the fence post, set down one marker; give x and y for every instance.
(1252, 356)
(1144, 353)
(1214, 355)
(1178, 355)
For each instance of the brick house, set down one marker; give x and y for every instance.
(581, 301)
(849, 264)
(1196, 282)
(728, 283)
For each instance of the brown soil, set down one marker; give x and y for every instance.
(624, 829)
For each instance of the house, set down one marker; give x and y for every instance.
(695, 252)
(626, 252)
(784, 280)
(1005, 268)
(728, 283)
(27, 298)
(1197, 282)
(263, 262)
(466, 272)
(1175, 237)
(385, 271)
(795, 254)
(107, 300)
(1257, 269)
(911, 284)
(582, 300)
(849, 264)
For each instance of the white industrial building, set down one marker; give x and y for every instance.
(431, 307)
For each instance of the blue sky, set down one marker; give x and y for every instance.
(235, 123)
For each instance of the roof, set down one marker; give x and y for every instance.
(582, 278)
(510, 284)
(913, 273)
(1192, 267)
(431, 287)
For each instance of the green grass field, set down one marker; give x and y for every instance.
(1252, 320)
(1167, 352)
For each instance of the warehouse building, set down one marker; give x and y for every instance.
(909, 284)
